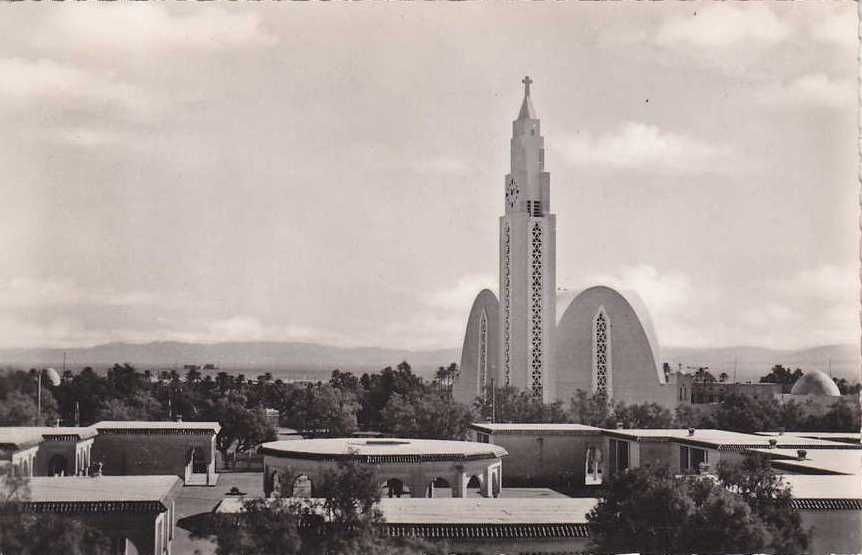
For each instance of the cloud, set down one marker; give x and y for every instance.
(30, 293)
(44, 85)
(151, 29)
(640, 146)
(459, 297)
(837, 28)
(826, 284)
(724, 25)
(813, 90)
(662, 292)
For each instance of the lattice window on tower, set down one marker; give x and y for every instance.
(507, 303)
(602, 384)
(482, 370)
(536, 346)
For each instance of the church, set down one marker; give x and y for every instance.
(603, 343)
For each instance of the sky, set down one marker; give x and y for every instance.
(333, 173)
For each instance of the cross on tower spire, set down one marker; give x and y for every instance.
(527, 111)
(527, 82)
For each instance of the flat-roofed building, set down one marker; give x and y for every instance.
(400, 465)
(186, 449)
(546, 454)
(136, 510)
(684, 450)
(18, 449)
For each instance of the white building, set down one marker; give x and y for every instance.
(604, 343)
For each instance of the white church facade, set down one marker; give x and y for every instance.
(603, 343)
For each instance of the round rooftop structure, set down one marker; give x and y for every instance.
(414, 463)
(815, 383)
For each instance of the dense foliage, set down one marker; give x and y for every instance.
(343, 519)
(744, 509)
(392, 401)
(24, 533)
(741, 413)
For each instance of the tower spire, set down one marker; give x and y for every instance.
(527, 110)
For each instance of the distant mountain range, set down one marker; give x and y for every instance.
(249, 357)
(843, 361)
(297, 358)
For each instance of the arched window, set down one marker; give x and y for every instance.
(482, 370)
(507, 303)
(602, 369)
(537, 352)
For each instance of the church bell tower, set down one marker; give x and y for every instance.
(527, 261)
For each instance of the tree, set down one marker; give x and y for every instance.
(741, 413)
(780, 374)
(345, 521)
(847, 388)
(319, 408)
(595, 410)
(643, 415)
(264, 526)
(703, 375)
(241, 428)
(432, 416)
(445, 377)
(769, 498)
(649, 510)
(509, 404)
(25, 533)
(590, 410)
(842, 416)
(378, 388)
(693, 416)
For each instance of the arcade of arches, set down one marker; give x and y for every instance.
(404, 467)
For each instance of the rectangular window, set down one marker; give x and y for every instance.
(623, 455)
(697, 456)
(618, 455)
(690, 458)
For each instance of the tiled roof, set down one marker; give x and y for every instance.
(534, 429)
(144, 427)
(376, 451)
(487, 531)
(828, 504)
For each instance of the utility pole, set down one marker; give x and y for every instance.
(493, 402)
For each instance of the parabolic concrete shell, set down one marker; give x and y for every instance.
(482, 323)
(635, 374)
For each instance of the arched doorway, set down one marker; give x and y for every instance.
(394, 487)
(58, 466)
